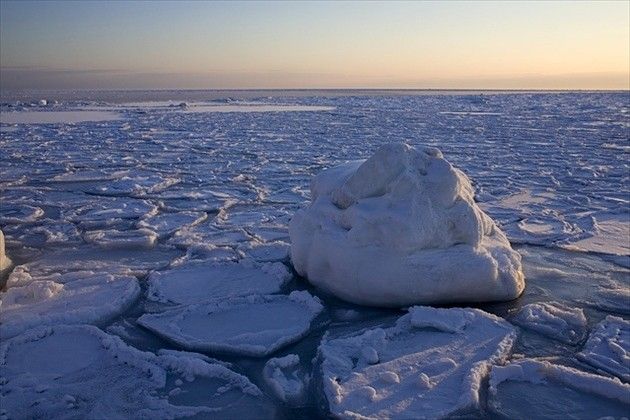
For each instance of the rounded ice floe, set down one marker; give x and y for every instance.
(267, 252)
(125, 239)
(554, 320)
(286, 379)
(166, 224)
(5, 262)
(203, 281)
(402, 228)
(73, 298)
(82, 372)
(431, 364)
(608, 347)
(251, 326)
(532, 389)
(107, 211)
(613, 297)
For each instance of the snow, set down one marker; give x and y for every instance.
(252, 326)
(202, 281)
(431, 364)
(112, 238)
(286, 379)
(165, 224)
(56, 117)
(402, 228)
(75, 298)
(96, 375)
(608, 347)
(5, 261)
(611, 235)
(554, 320)
(548, 390)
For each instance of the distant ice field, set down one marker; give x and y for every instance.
(145, 192)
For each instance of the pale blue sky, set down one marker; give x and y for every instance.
(314, 44)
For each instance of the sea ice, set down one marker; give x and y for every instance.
(72, 298)
(124, 239)
(56, 117)
(5, 262)
(252, 326)
(82, 372)
(203, 281)
(402, 228)
(165, 224)
(608, 347)
(554, 320)
(431, 364)
(286, 379)
(531, 388)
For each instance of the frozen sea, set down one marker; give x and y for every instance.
(161, 219)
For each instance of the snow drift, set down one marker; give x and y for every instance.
(402, 228)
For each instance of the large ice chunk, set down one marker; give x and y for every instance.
(534, 389)
(402, 228)
(252, 326)
(608, 347)
(82, 372)
(431, 364)
(72, 298)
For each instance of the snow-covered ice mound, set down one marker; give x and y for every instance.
(536, 389)
(82, 372)
(402, 228)
(608, 347)
(73, 298)
(252, 326)
(5, 262)
(431, 364)
(554, 320)
(203, 281)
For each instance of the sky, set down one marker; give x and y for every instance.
(241, 45)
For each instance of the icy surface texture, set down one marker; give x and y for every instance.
(252, 326)
(608, 347)
(402, 228)
(218, 188)
(540, 389)
(5, 261)
(431, 364)
(286, 379)
(78, 298)
(553, 319)
(82, 372)
(203, 281)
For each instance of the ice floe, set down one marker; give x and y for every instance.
(73, 298)
(202, 281)
(113, 238)
(82, 372)
(165, 224)
(57, 117)
(608, 347)
(285, 377)
(554, 320)
(5, 261)
(533, 388)
(431, 364)
(251, 326)
(402, 228)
